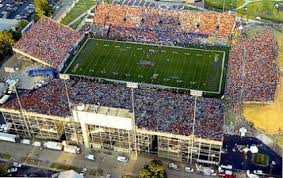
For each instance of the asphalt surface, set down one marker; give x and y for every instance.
(28, 171)
(1, 119)
(237, 159)
(107, 162)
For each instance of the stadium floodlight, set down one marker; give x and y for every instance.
(19, 101)
(133, 86)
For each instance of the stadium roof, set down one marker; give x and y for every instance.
(47, 42)
(155, 110)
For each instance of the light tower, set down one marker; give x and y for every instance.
(133, 86)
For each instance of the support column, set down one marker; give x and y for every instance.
(85, 134)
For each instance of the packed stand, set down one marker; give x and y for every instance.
(164, 20)
(155, 109)
(48, 41)
(209, 118)
(253, 73)
(132, 34)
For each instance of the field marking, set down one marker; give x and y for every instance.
(150, 44)
(222, 71)
(143, 44)
(76, 55)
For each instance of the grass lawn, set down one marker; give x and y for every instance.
(81, 7)
(30, 160)
(174, 67)
(230, 117)
(64, 167)
(218, 4)
(5, 156)
(77, 23)
(265, 10)
(261, 159)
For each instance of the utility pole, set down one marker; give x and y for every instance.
(65, 77)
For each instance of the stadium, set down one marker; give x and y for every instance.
(142, 80)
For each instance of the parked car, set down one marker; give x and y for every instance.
(11, 170)
(188, 169)
(15, 164)
(260, 172)
(90, 157)
(174, 166)
(122, 159)
(83, 172)
(26, 141)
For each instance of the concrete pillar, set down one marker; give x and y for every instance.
(85, 134)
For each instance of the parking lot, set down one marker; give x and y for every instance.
(24, 9)
(239, 161)
(27, 171)
(105, 161)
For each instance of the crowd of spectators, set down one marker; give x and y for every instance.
(48, 41)
(155, 109)
(132, 34)
(160, 20)
(253, 72)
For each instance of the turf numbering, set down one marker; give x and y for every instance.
(200, 69)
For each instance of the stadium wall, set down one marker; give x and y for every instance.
(21, 53)
(97, 132)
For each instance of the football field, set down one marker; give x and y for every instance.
(194, 68)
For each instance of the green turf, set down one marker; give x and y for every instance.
(220, 4)
(81, 7)
(264, 9)
(174, 67)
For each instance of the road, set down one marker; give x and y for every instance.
(63, 6)
(107, 162)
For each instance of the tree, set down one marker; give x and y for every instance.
(154, 169)
(17, 34)
(6, 43)
(22, 24)
(144, 173)
(42, 8)
(3, 169)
